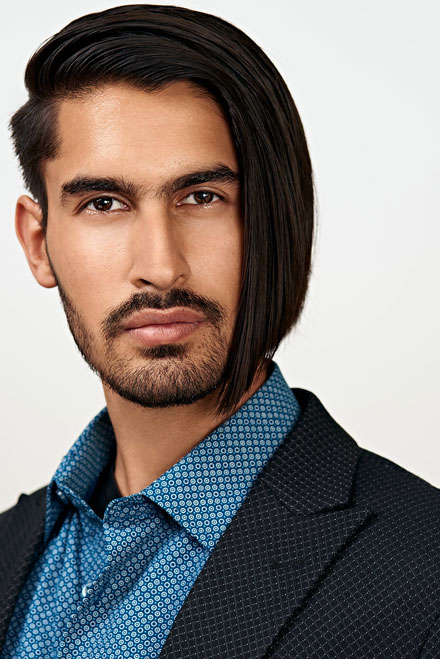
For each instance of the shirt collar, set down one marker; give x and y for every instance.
(203, 491)
(79, 470)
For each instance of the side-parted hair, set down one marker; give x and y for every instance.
(150, 46)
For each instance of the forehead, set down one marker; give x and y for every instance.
(124, 131)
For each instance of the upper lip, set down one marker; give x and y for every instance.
(162, 317)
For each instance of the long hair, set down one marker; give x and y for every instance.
(149, 46)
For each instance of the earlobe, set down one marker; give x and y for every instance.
(30, 233)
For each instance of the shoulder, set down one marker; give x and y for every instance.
(387, 487)
(377, 480)
(391, 479)
(405, 508)
(26, 509)
(401, 540)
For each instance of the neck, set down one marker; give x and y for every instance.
(149, 441)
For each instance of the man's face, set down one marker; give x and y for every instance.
(144, 236)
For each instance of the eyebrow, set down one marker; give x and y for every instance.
(83, 184)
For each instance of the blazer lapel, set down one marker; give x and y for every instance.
(21, 531)
(295, 522)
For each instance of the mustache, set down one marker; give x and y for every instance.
(213, 311)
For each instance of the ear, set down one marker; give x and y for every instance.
(28, 227)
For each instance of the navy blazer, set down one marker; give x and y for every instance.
(335, 553)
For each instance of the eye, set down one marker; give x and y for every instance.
(200, 197)
(104, 204)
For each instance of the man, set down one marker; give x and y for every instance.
(208, 510)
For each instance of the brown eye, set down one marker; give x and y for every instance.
(203, 197)
(200, 197)
(103, 204)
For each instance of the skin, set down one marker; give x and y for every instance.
(142, 244)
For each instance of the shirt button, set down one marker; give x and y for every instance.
(86, 589)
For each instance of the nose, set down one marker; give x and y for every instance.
(157, 250)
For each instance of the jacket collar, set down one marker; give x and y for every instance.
(313, 470)
(296, 522)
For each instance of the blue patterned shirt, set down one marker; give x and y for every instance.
(114, 586)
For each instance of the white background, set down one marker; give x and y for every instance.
(364, 76)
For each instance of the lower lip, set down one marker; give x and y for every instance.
(155, 335)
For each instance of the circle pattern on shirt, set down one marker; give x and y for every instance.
(114, 587)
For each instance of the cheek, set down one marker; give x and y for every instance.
(86, 263)
(217, 266)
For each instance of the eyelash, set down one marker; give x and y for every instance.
(215, 194)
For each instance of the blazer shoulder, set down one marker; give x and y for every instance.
(27, 505)
(400, 496)
(377, 480)
(393, 480)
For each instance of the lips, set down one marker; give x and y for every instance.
(160, 327)
(163, 317)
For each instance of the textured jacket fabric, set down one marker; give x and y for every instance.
(334, 553)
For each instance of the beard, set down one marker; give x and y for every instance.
(158, 376)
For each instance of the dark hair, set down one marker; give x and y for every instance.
(150, 46)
